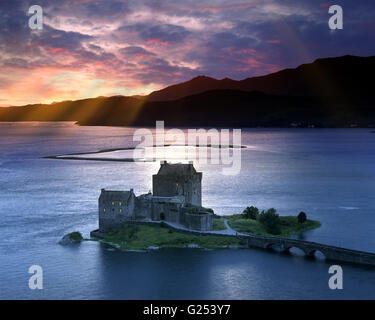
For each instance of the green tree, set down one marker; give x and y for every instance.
(271, 221)
(251, 213)
(302, 217)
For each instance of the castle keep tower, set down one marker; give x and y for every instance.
(178, 180)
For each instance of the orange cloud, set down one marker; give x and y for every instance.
(158, 42)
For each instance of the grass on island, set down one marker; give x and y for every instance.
(289, 225)
(138, 237)
(218, 224)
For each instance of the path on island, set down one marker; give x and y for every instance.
(232, 231)
(227, 231)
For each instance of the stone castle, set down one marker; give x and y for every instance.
(176, 198)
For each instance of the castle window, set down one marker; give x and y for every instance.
(120, 210)
(120, 203)
(104, 210)
(113, 203)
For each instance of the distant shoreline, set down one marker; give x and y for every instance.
(74, 156)
(167, 126)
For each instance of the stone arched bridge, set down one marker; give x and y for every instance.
(309, 248)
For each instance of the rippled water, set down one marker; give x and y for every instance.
(328, 173)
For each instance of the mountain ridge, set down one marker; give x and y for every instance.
(330, 92)
(309, 79)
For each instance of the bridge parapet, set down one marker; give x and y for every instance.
(309, 248)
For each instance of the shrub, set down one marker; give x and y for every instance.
(251, 213)
(271, 221)
(76, 236)
(302, 217)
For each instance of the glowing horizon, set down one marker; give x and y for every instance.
(89, 49)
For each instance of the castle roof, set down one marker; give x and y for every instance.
(176, 169)
(116, 195)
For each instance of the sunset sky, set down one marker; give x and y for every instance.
(91, 48)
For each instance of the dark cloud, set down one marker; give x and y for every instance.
(135, 51)
(161, 71)
(162, 34)
(106, 9)
(52, 38)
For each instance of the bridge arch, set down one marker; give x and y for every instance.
(296, 250)
(317, 254)
(275, 246)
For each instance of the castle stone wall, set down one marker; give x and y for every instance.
(200, 222)
(115, 208)
(143, 207)
(170, 207)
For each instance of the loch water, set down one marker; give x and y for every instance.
(328, 173)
